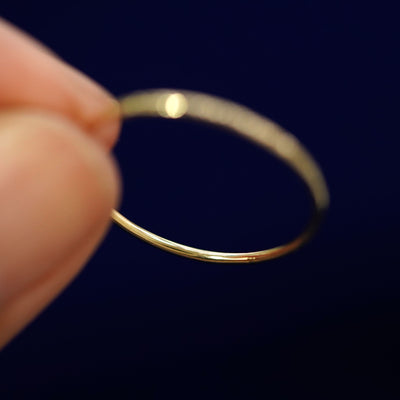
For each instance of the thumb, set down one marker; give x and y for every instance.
(57, 188)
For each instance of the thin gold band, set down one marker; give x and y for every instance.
(252, 126)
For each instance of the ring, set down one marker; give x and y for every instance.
(263, 132)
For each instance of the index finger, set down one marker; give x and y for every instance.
(31, 76)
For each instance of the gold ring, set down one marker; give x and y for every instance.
(168, 103)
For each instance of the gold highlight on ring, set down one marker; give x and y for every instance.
(172, 105)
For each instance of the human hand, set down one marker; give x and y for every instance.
(58, 184)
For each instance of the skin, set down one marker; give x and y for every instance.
(58, 182)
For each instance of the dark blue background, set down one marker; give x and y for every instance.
(320, 323)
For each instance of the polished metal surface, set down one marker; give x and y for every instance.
(268, 135)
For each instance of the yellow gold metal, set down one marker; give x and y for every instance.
(248, 124)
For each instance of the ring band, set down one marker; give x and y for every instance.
(248, 124)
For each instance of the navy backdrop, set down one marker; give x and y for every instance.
(322, 322)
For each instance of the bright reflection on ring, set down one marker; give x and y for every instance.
(172, 105)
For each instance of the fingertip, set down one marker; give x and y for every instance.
(58, 188)
(107, 128)
(50, 84)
